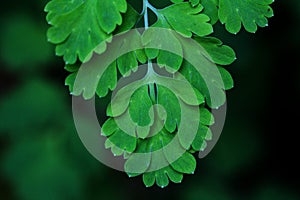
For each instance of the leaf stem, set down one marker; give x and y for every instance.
(146, 6)
(150, 72)
(150, 68)
(145, 13)
(153, 9)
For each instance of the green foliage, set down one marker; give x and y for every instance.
(147, 115)
(248, 12)
(211, 9)
(49, 163)
(43, 157)
(78, 27)
(32, 96)
(24, 53)
(188, 20)
(233, 14)
(140, 106)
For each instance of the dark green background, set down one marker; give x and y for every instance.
(42, 157)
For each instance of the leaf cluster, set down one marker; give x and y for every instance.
(153, 111)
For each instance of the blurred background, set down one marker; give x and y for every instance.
(42, 157)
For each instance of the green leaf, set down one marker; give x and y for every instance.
(181, 89)
(146, 161)
(165, 39)
(121, 100)
(108, 81)
(149, 179)
(78, 27)
(185, 164)
(126, 63)
(187, 20)
(139, 107)
(173, 175)
(205, 76)
(141, 56)
(250, 13)
(217, 52)
(203, 134)
(129, 61)
(88, 78)
(145, 158)
(211, 9)
(139, 161)
(61, 7)
(216, 91)
(110, 14)
(193, 2)
(109, 127)
(206, 117)
(227, 79)
(73, 68)
(129, 21)
(169, 101)
(147, 114)
(70, 80)
(161, 177)
(122, 141)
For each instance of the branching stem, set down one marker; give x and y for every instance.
(146, 6)
(150, 72)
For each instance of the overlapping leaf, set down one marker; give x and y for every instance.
(182, 18)
(162, 132)
(124, 64)
(78, 27)
(235, 13)
(193, 2)
(187, 20)
(211, 9)
(139, 107)
(148, 162)
(118, 140)
(250, 13)
(137, 128)
(134, 112)
(107, 82)
(215, 53)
